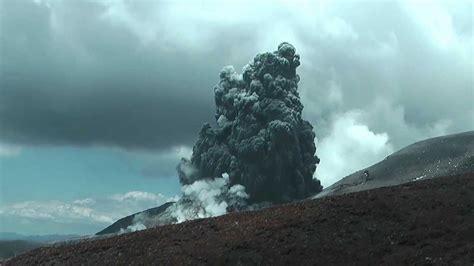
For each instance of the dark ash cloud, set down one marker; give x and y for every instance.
(260, 141)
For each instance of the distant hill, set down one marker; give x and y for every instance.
(10, 248)
(36, 238)
(431, 158)
(125, 222)
(12, 244)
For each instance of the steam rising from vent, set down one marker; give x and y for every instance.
(260, 140)
(209, 198)
(201, 199)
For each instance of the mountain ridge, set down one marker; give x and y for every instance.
(459, 148)
(430, 158)
(424, 222)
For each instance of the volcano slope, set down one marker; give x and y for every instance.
(430, 158)
(424, 222)
(125, 222)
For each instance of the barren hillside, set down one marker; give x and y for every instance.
(429, 221)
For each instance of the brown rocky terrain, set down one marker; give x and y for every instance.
(425, 222)
(430, 158)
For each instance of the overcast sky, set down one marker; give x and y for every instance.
(102, 98)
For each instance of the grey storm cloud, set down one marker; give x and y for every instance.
(140, 74)
(68, 76)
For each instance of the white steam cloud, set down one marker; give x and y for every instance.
(201, 199)
(208, 198)
(349, 147)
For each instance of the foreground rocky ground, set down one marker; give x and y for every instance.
(423, 222)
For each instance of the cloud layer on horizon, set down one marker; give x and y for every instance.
(81, 216)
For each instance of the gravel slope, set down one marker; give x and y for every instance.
(424, 222)
(430, 158)
(125, 222)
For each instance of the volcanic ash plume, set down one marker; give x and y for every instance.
(260, 141)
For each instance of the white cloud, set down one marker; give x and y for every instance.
(57, 211)
(88, 211)
(86, 201)
(338, 28)
(9, 150)
(138, 196)
(349, 147)
(356, 139)
(434, 18)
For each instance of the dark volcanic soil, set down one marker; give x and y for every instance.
(424, 222)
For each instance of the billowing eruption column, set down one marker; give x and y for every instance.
(261, 141)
